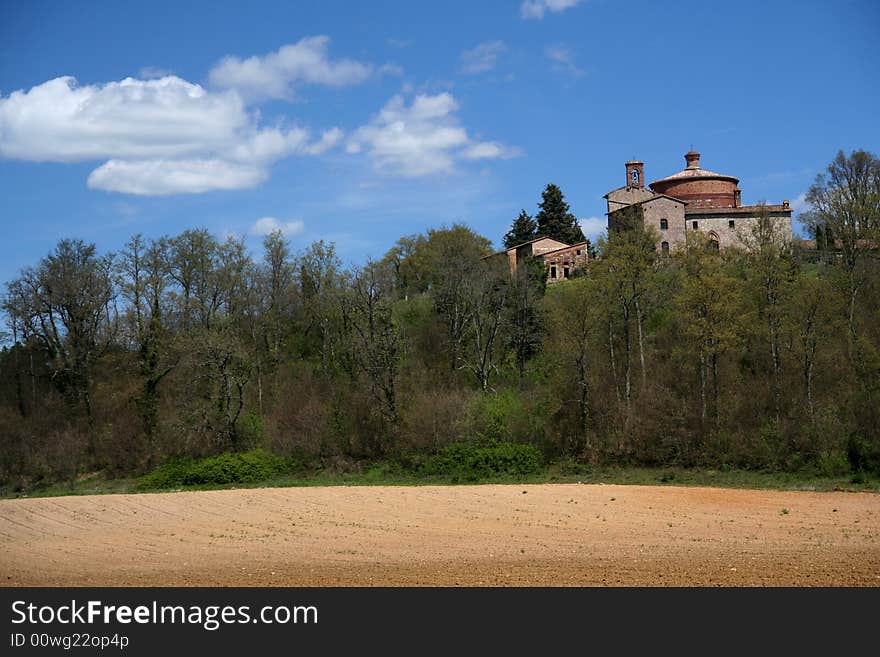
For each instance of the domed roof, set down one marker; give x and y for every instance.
(693, 171)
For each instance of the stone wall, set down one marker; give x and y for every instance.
(624, 196)
(718, 225)
(562, 263)
(659, 208)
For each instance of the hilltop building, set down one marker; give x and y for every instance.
(694, 199)
(560, 259)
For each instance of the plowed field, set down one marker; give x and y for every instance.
(445, 535)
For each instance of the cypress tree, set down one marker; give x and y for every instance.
(522, 230)
(555, 220)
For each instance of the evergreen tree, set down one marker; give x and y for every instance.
(522, 230)
(555, 220)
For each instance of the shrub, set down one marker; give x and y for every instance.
(506, 416)
(251, 429)
(861, 455)
(472, 461)
(227, 468)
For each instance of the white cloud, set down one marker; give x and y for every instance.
(276, 74)
(593, 227)
(483, 57)
(167, 177)
(490, 150)
(563, 59)
(162, 136)
(799, 204)
(420, 139)
(329, 139)
(535, 9)
(267, 225)
(61, 121)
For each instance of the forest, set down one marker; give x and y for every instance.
(762, 358)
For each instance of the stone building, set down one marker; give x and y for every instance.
(694, 199)
(560, 259)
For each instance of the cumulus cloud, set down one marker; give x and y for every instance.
(483, 57)
(167, 177)
(535, 9)
(593, 227)
(276, 74)
(61, 121)
(268, 225)
(159, 136)
(422, 138)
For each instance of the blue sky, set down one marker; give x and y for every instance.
(361, 122)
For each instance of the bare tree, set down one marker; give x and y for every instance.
(66, 305)
(486, 293)
(845, 209)
(376, 347)
(144, 278)
(771, 270)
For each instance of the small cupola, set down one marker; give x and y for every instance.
(693, 159)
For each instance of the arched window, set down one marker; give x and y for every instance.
(664, 224)
(635, 176)
(664, 247)
(713, 241)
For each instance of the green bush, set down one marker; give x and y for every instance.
(473, 461)
(832, 465)
(227, 468)
(252, 429)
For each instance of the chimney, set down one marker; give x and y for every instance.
(693, 159)
(635, 174)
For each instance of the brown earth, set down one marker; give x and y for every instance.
(547, 535)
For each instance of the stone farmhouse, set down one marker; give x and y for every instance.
(560, 259)
(694, 199)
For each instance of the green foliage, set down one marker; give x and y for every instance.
(765, 358)
(507, 415)
(555, 220)
(227, 468)
(252, 428)
(522, 230)
(473, 461)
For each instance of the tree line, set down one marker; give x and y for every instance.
(765, 357)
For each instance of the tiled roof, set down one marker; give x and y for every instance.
(581, 244)
(516, 246)
(693, 173)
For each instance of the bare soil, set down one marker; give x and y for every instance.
(534, 535)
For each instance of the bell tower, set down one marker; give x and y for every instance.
(635, 174)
